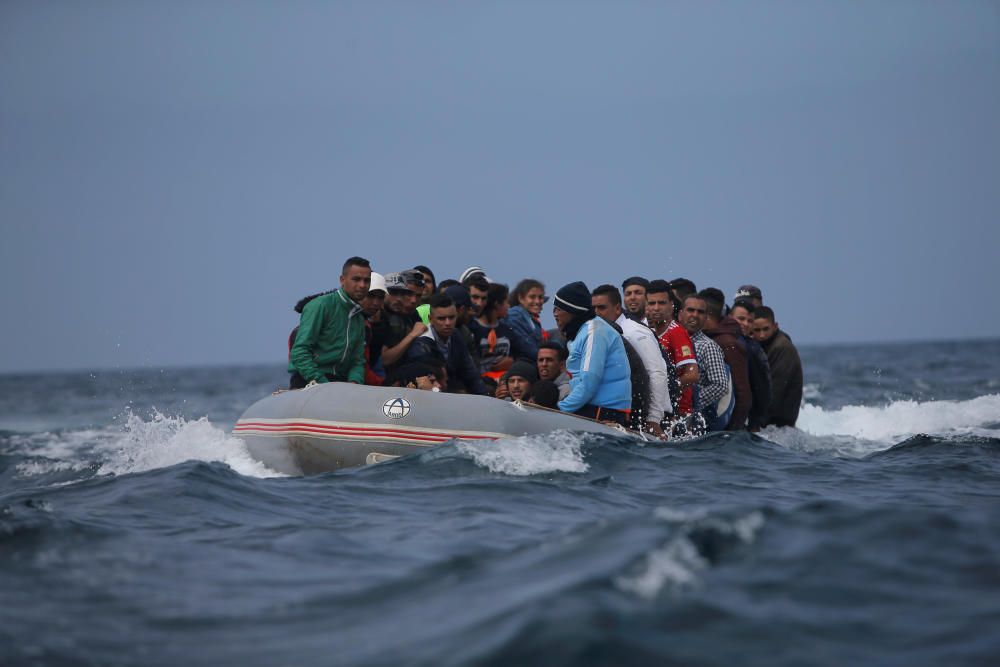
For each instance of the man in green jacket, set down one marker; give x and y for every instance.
(330, 343)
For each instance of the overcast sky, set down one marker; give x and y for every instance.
(174, 176)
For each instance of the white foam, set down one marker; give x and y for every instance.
(164, 441)
(559, 451)
(136, 446)
(677, 564)
(903, 419)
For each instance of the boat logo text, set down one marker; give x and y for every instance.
(396, 408)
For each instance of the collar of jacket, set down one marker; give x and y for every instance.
(355, 307)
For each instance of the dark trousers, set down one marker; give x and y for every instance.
(620, 417)
(299, 382)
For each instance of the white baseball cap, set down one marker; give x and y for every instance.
(378, 283)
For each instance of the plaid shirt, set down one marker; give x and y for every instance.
(714, 381)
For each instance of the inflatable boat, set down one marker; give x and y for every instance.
(338, 425)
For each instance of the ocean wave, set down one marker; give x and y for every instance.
(698, 543)
(902, 419)
(136, 445)
(561, 451)
(164, 441)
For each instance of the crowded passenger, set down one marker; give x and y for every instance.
(714, 399)
(524, 316)
(758, 368)
(725, 331)
(439, 345)
(676, 342)
(496, 341)
(786, 368)
(551, 363)
(600, 384)
(398, 325)
(607, 303)
(330, 341)
(653, 355)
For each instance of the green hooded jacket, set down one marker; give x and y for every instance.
(331, 340)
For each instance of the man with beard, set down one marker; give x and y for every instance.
(786, 368)
(634, 298)
(601, 386)
(330, 341)
(714, 399)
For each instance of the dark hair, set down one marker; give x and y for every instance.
(636, 280)
(610, 291)
(440, 301)
(522, 289)
(423, 269)
(745, 305)
(477, 281)
(354, 261)
(683, 288)
(714, 302)
(557, 346)
(545, 393)
(446, 283)
(694, 295)
(496, 293)
(658, 286)
(765, 313)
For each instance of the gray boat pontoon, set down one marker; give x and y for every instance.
(338, 425)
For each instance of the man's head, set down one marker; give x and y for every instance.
(682, 288)
(478, 292)
(496, 305)
(693, 314)
(714, 306)
(659, 303)
(551, 360)
(742, 312)
(355, 278)
(430, 285)
(463, 304)
(764, 325)
(417, 375)
(607, 302)
(399, 298)
(373, 301)
(443, 316)
(519, 378)
(635, 291)
(473, 272)
(572, 303)
(749, 293)
(446, 283)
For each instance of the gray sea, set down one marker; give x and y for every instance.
(136, 530)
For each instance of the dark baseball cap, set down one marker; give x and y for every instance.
(748, 292)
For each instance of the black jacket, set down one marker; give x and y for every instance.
(786, 380)
(463, 373)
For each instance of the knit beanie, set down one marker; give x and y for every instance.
(573, 298)
(522, 369)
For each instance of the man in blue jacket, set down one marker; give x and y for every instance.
(601, 385)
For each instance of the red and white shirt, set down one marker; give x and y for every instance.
(676, 341)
